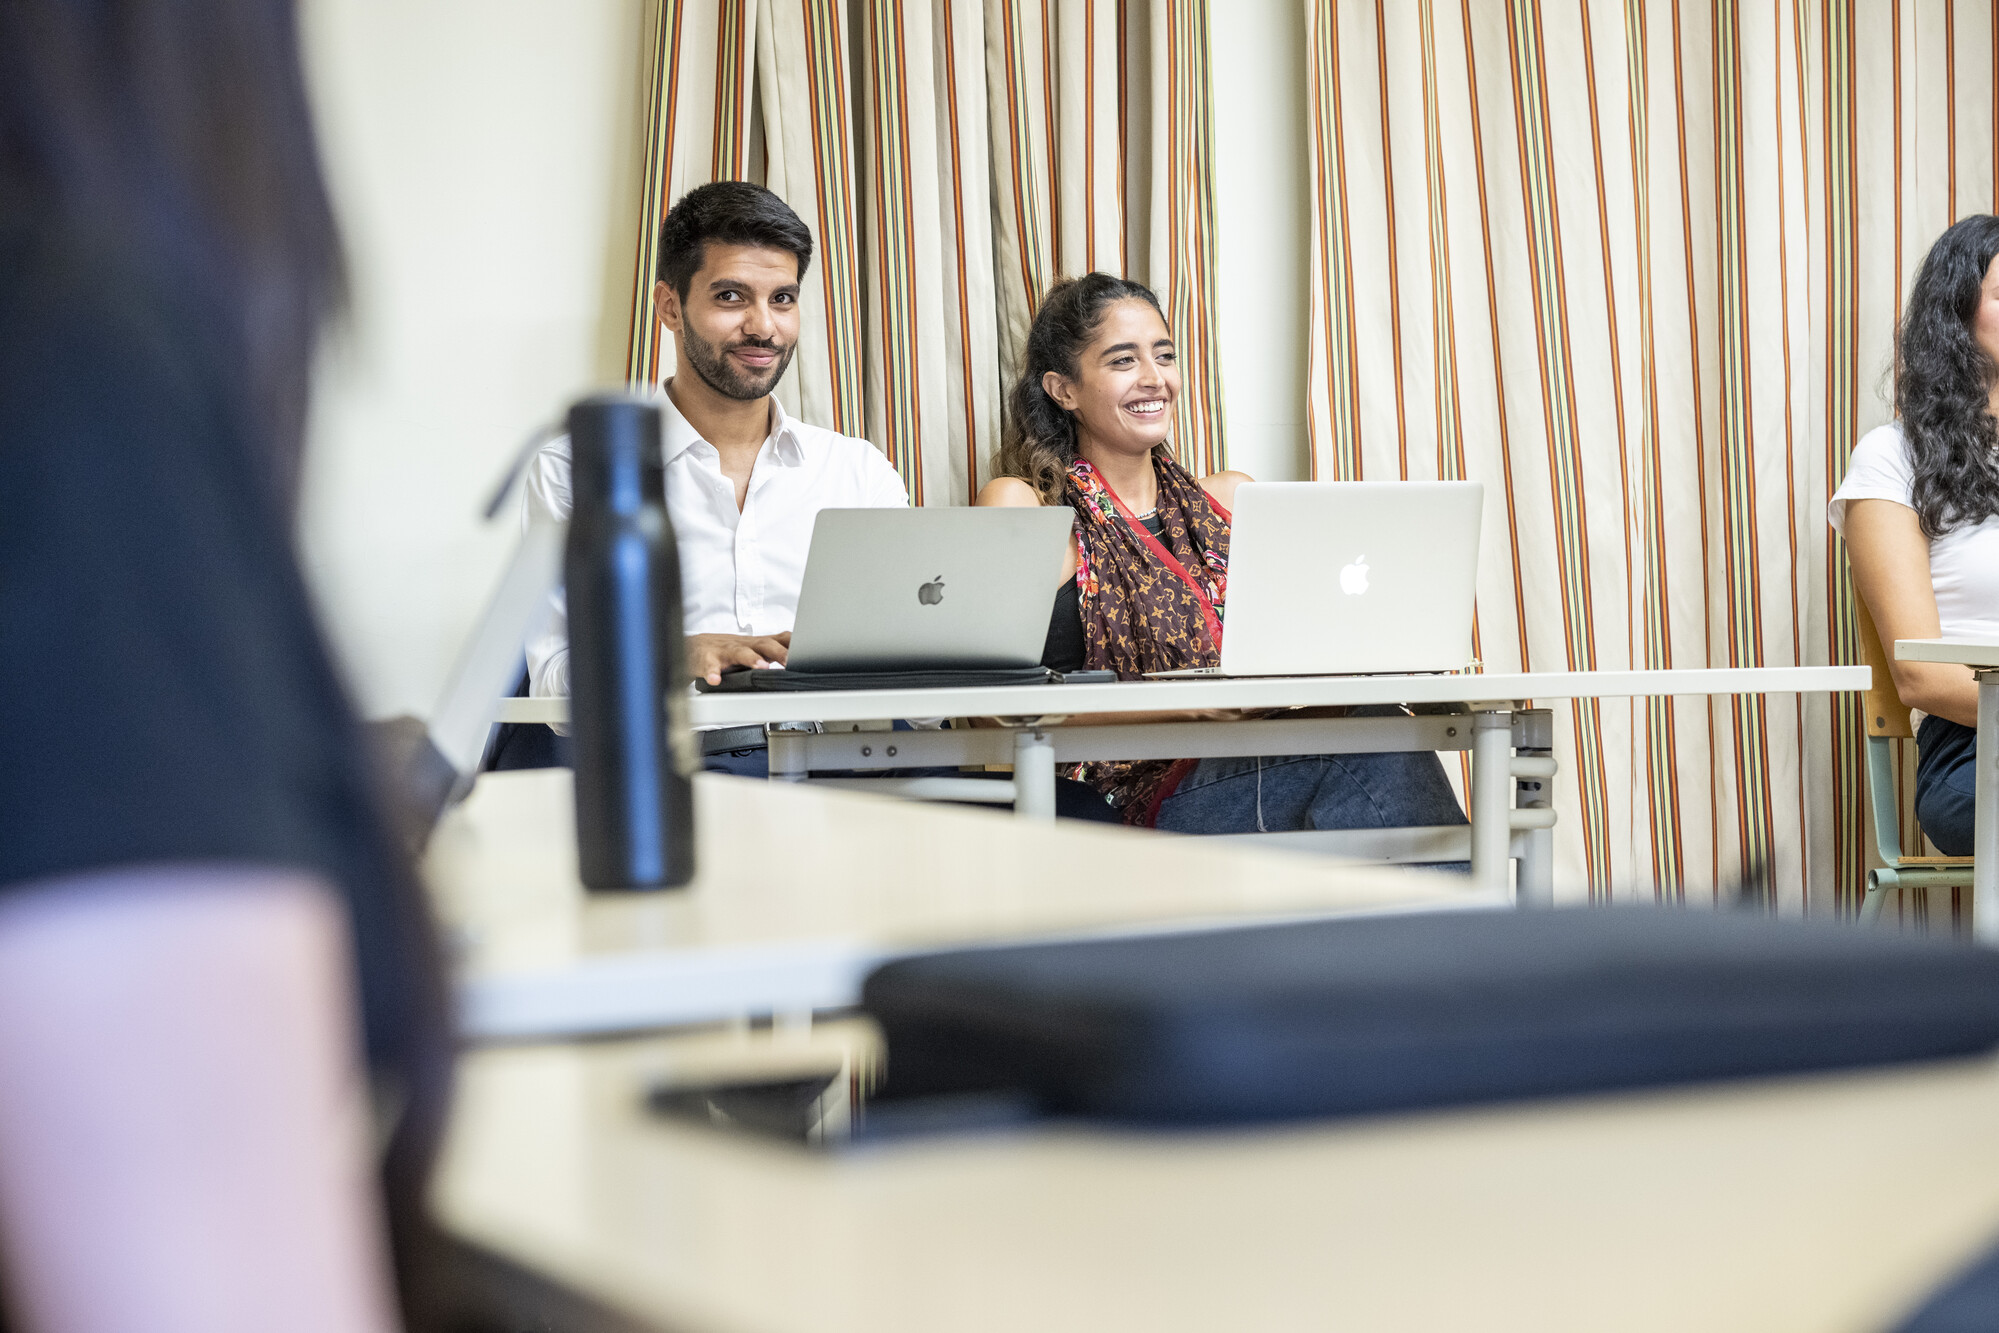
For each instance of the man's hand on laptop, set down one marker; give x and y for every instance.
(709, 655)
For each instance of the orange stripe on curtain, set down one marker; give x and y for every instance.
(1660, 775)
(1332, 375)
(662, 103)
(898, 427)
(829, 111)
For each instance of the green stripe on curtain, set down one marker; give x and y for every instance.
(1188, 265)
(734, 53)
(898, 426)
(1025, 242)
(1740, 547)
(832, 175)
(1842, 412)
(1334, 375)
(1565, 466)
(1660, 777)
(662, 101)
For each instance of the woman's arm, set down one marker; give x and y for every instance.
(184, 1135)
(1891, 568)
(1221, 487)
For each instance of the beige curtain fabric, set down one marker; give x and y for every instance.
(1635, 264)
(953, 159)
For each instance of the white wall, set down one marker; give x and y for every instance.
(484, 157)
(1262, 207)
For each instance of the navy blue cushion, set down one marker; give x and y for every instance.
(1387, 1013)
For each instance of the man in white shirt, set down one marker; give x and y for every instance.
(743, 479)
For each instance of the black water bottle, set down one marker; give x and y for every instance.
(627, 665)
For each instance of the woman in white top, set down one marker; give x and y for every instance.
(1920, 509)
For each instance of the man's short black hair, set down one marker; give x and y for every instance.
(734, 213)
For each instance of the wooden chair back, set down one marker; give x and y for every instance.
(1886, 714)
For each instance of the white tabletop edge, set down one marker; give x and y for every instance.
(664, 988)
(1964, 652)
(1258, 692)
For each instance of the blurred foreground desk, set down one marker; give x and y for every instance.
(802, 890)
(1820, 1203)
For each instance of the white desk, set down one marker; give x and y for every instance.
(1982, 656)
(1512, 763)
(1809, 1204)
(801, 891)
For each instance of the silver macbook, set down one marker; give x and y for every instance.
(1349, 577)
(917, 589)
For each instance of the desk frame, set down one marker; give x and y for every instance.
(1507, 744)
(1513, 767)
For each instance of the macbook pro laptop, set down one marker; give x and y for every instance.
(1350, 577)
(952, 589)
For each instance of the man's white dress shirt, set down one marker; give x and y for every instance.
(739, 571)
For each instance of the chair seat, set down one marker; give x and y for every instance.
(1939, 862)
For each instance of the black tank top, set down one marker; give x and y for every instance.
(1064, 649)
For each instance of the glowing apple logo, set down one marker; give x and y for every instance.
(932, 592)
(1353, 579)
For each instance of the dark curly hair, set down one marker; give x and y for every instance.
(734, 213)
(1943, 380)
(1039, 442)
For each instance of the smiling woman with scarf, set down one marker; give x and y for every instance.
(1147, 583)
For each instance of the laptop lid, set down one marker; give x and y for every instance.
(1330, 578)
(910, 589)
(425, 766)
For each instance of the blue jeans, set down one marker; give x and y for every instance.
(1311, 791)
(1946, 783)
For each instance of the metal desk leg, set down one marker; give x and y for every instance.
(1033, 774)
(1534, 739)
(1985, 837)
(1491, 799)
(787, 755)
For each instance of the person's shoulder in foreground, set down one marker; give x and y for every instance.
(189, 856)
(168, 696)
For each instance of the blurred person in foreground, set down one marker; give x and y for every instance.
(223, 1044)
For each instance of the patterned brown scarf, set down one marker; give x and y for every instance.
(1148, 604)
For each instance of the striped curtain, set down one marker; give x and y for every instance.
(1635, 264)
(953, 159)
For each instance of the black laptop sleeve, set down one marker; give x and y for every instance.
(781, 681)
(1386, 1013)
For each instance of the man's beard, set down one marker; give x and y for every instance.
(712, 364)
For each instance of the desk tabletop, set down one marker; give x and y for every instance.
(1967, 652)
(1820, 1203)
(801, 891)
(749, 708)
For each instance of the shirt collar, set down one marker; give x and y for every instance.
(786, 445)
